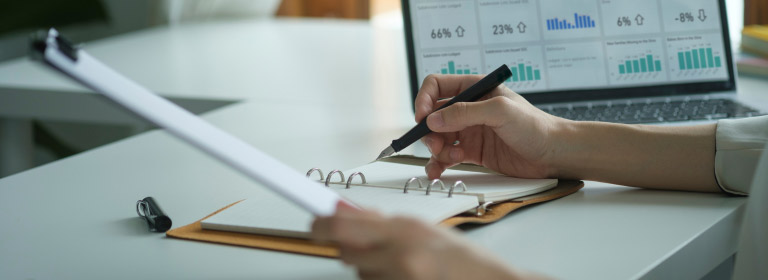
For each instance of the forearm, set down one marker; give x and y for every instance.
(662, 157)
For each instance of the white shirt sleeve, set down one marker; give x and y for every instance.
(753, 242)
(739, 144)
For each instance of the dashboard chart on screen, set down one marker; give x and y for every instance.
(555, 45)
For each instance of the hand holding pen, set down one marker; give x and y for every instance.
(503, 131)
(470, 94)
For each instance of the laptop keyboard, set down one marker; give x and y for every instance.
(654, 111)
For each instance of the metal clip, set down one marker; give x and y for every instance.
(458, 183)
(328, 179)
(349, 181)
(309, 173)
(405, 188)
(435, 181)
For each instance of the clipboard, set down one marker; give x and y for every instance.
(60, 54)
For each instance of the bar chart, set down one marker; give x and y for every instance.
(451, 68)
(526, 65)
(522, 72)
(646, 64)
(698, 58)
(450, 63)
(579, 22)
(636, 61)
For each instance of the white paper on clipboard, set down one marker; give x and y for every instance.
(231, 150)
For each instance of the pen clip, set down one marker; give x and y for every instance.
(142, 208)
(148, 209)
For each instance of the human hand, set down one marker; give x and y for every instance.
(502, 131)
(403, 248)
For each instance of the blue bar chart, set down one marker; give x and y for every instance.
(579, 22)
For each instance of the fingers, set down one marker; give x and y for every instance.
(438, 142)
(371, 260)
(461, 115)
(436, 87)
(351, 227)
(435, 167)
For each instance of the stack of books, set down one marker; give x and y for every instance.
(754, 51)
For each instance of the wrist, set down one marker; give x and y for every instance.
(559, 146)
(571, 147)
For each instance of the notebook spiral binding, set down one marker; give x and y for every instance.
(327, 180)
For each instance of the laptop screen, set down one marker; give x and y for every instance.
(569, 50)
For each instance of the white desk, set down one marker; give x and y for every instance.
(224, 61)
(76, 218)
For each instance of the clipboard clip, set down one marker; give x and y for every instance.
(42, 39)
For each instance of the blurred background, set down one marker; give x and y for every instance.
(89, 20)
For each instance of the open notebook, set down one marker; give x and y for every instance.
(384, 191)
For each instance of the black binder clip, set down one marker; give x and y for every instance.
(148, 209)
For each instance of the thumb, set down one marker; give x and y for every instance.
(461, 115)
(344, 206)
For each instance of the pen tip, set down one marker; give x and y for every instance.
(386, 152)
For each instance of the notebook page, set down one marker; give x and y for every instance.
(275, 217)
(487, 187)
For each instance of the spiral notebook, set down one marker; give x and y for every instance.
(393, 187)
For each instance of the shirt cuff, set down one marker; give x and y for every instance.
(739, 144)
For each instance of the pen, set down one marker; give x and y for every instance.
(473, 93)
(148, 209)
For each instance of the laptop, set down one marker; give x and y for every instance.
(624, 61)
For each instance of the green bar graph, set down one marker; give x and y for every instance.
(700, 58)
(681, 60)
(644, 64)
(649, 60)
(529, 73)
(695, 54)
(453, 69)
(515, 76)
(522, 73)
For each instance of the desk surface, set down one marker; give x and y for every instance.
(76, 218)
(230, 60)
(268, 60)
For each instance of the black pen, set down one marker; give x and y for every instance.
(148, 209)
(473, 93)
